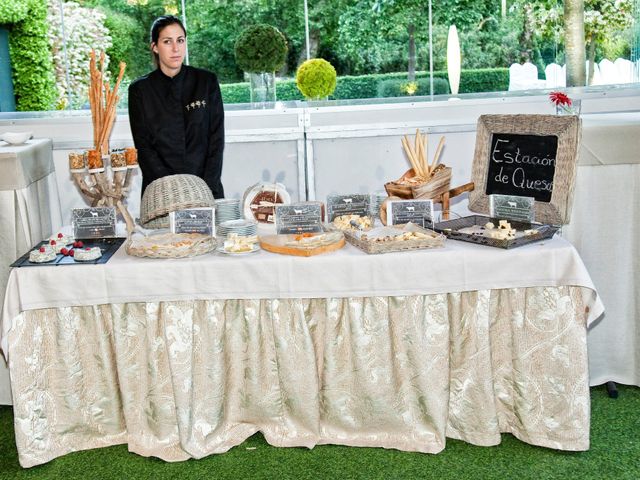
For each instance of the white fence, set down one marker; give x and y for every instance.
(525, 76)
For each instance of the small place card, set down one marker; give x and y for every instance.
(94, 222)
(193, 220)
(419, 212)
(338, 205)
(299, 217)
(512, 207)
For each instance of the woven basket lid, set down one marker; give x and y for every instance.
(171, 193)
(156, 223)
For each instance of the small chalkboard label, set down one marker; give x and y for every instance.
(299, 217)
(522, 165)
(338, 205)
(419, 212)
(510, 207)
(193, 220)
(94, 222)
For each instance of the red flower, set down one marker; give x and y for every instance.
(559, 98)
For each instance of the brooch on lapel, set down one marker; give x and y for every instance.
(196, 104)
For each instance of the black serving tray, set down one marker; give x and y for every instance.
(108, 246)
(450, 229)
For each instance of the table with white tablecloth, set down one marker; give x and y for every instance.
(188, 357)
(29, 210)
(605, 230)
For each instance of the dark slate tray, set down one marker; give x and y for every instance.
(108, 246)
(450, 229)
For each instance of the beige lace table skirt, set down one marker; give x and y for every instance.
(192, 378)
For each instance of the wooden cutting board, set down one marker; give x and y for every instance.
(277, 244)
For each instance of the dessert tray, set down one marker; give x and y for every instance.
(395, 238)
(495, 232)
(107, 247)
(260, 200)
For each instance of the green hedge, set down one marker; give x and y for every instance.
(122, 30)
(33, 80)
(369, 86)
(398, 88)
(12, 11)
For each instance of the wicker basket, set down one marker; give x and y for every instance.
(433, 189)
(171, 193)
(169, 245)
(372, 247)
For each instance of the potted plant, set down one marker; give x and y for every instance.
(260, 50)
(316, 79)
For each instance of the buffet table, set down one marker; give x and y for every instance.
(189, 357)
(606, 200)
(29, 208)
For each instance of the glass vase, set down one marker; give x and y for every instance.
(573, 109)
(263, 89)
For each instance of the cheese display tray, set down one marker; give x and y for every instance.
(108, 246)
(303, 245)
(451, 228)
(390, 238)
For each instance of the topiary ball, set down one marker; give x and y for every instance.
(261, 48)
(316, 78)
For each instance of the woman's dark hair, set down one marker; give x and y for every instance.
(158, 24)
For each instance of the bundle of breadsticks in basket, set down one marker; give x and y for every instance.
(417, 156)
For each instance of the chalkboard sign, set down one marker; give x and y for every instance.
(522, 165)
(527, 156)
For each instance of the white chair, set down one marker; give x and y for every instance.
(625, 70)
(608, 72)
(555, 76)
(524, 77)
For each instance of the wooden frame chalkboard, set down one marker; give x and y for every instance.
(530, 156)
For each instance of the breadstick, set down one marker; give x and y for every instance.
(108, 126)
(436, 157)
(110, 111)
(424, 167)
(425, 152)
(419, 155)
(410, 155)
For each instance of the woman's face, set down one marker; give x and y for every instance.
(170, 48)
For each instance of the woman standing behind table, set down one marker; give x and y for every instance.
(176, 113)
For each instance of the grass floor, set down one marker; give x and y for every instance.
(614, 454)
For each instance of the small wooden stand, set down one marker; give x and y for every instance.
(107, 191)
(102, 188)
(447, 196)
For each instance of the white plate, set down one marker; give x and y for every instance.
(221, 249)
(16, 138)
(254, 190)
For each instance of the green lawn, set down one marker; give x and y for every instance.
(614, 454)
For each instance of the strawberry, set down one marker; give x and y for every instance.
(80, 244)
(60, 235)
(64, 251)
(52, 242)
(42, 250)
(71, 253)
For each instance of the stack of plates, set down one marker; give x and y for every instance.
(227, 209)
(245, 228)
(376, 202)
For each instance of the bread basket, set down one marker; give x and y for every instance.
(438, 184)
(172, 193)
